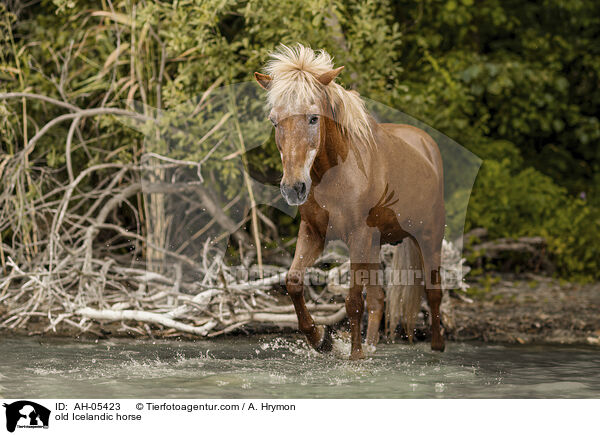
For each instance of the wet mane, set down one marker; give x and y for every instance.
(295, 71)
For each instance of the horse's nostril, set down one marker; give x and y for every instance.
(295, 193)
(300, 189)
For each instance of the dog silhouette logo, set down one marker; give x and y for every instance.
(26, 414)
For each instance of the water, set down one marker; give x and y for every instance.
(284, 367)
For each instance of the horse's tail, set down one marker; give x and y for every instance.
(403, 295)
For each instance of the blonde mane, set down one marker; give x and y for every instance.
(294, 72)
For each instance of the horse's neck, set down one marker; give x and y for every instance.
(334, 150)
(338, 150)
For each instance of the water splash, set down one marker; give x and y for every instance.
(285, 366)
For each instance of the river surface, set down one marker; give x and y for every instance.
(284, 367)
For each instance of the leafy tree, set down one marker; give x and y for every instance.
(514, 82)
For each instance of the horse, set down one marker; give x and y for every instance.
(354, 180)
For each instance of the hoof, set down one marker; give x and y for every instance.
(355, 356)
(326, 343)
(438, 345)
(369, 349)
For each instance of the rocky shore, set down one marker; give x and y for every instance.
(527, 309)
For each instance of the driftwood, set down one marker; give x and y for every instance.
(528, 251)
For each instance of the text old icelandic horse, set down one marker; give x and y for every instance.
(355, 180)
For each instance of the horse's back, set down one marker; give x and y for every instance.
(418, 139)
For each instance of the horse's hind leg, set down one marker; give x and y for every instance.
(355, 306)
(434, 299)
(375, 304)
(431, 252)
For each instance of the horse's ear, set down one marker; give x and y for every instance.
(263, 80)
(328, 77)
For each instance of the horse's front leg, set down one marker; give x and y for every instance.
(364, 258)
(308, 247)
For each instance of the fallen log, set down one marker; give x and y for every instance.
(145, 317)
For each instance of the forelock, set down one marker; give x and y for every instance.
(295, 86)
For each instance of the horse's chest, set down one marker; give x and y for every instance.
(336, 220)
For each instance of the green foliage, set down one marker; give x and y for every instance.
(514, 82)
(514, 203)
(574, 239)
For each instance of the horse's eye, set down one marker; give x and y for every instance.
(313, 120)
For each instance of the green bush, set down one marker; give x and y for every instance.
(514, 82)
(510, 202)
(574, 240)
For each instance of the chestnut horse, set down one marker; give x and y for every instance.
(355, 180)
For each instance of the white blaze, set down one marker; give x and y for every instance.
(310, 158)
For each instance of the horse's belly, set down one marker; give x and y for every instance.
(389, 228)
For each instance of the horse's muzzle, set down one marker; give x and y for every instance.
(295, 194)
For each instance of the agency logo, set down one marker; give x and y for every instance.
(24, 414)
